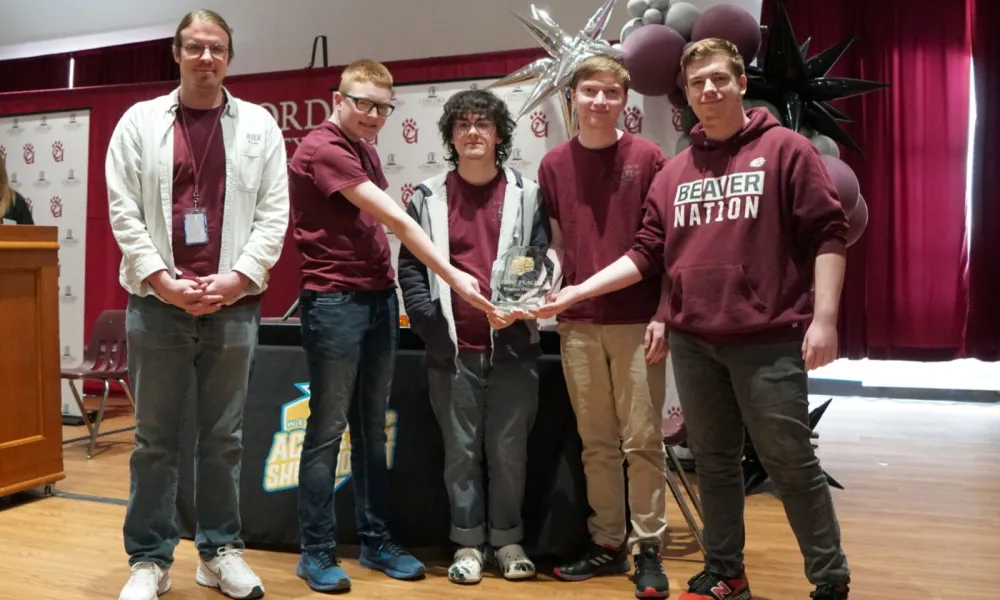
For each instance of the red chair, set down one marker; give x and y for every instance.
(674, 434)
(105, 359)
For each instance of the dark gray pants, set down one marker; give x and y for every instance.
(484, 408)
(765, 388)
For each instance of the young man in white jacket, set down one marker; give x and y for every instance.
(483, 373)
(198, 202)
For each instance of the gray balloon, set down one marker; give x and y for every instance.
(652, 17)
(637, 8)
(681, 17)
(682, 144)
(629, 28)
(749, 103)
(660, 5)
(825, 145)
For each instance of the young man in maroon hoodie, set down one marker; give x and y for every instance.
(594, 188)
(745, 222)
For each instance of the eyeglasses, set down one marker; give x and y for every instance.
(365, 105)
(483, 126)
(196, 50)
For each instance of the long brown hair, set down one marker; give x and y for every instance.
(6, 192)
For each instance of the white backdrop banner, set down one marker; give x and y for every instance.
(411, 148)
(46, 156)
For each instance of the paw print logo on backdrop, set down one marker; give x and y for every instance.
(29, 154)
(540, 124)
(633, 120)
(56, 207)
(57, 151)
(677, 119)
(407, 193)
(410, 131)
(3, 153)
(674, 412)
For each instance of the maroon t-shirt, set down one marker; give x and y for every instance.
(474, 213)
(207, 151)
(598, 199)
(343, 248)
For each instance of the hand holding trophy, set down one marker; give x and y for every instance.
(521, 279)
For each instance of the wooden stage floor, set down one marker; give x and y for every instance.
(920, 518)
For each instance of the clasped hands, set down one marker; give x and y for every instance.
(201, 295)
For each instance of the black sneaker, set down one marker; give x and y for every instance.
(650, 580)
(830, 591)
(712, 586)
(596, 560)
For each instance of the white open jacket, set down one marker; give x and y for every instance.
(139, 170)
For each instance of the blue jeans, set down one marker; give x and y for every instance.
(766, 389)
(350, 340)
(485, 407)
(166, 348)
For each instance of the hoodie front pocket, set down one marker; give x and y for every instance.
(715, 299)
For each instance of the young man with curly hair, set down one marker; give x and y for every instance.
(483, 373)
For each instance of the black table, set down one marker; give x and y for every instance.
(555, 505)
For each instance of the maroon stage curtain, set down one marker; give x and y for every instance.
(983, 326)
(50, 72)
(142, 62)
(905, 296)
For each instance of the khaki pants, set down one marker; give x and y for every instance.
(618, 400)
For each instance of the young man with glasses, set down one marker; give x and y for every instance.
(483, 374)
(350, 322)
(194, 262)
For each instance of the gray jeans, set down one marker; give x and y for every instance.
(167, 347)
(490, 408)
(765, 389)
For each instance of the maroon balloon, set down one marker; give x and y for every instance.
(653, 58)
(857, 222)
(845, 181)
(730, 23)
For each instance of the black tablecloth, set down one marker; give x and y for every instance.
(555, 506)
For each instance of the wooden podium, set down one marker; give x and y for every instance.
(30, 398)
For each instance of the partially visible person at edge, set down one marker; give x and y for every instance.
(594, 187)
(14, 209)
(744, 222)
(198, 202)
(350, 322)
(482, 368)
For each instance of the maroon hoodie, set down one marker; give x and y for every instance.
(743, 221)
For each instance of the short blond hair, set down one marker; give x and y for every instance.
(365, 70)
(710, 47)
(601, 63)
(209, 16)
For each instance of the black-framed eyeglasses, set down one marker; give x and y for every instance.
(365, 105)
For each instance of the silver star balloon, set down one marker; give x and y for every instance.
(553, 73)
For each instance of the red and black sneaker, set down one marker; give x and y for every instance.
(595, 560)
(712, 586)
(830, 591)
(650, 580)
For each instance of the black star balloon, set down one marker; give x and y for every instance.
(799, 87)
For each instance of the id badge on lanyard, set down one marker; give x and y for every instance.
(196, 219)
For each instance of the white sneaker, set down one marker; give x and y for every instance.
(231, 574)
(147, 582)
(514, 563)
(467, 567)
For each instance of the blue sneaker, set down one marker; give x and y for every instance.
(322, 571)
(391, 559)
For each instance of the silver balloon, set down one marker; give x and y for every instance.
(681, 17)
(637, 7)
(660, 5)
(567, 53)
(652, 17)
(825, 145)
(629, 27)
(683, 143)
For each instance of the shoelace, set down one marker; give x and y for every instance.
(649, 560)
(232, 558)
(144, 575)
(704, 578)
(392, 548)
(328, 559)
